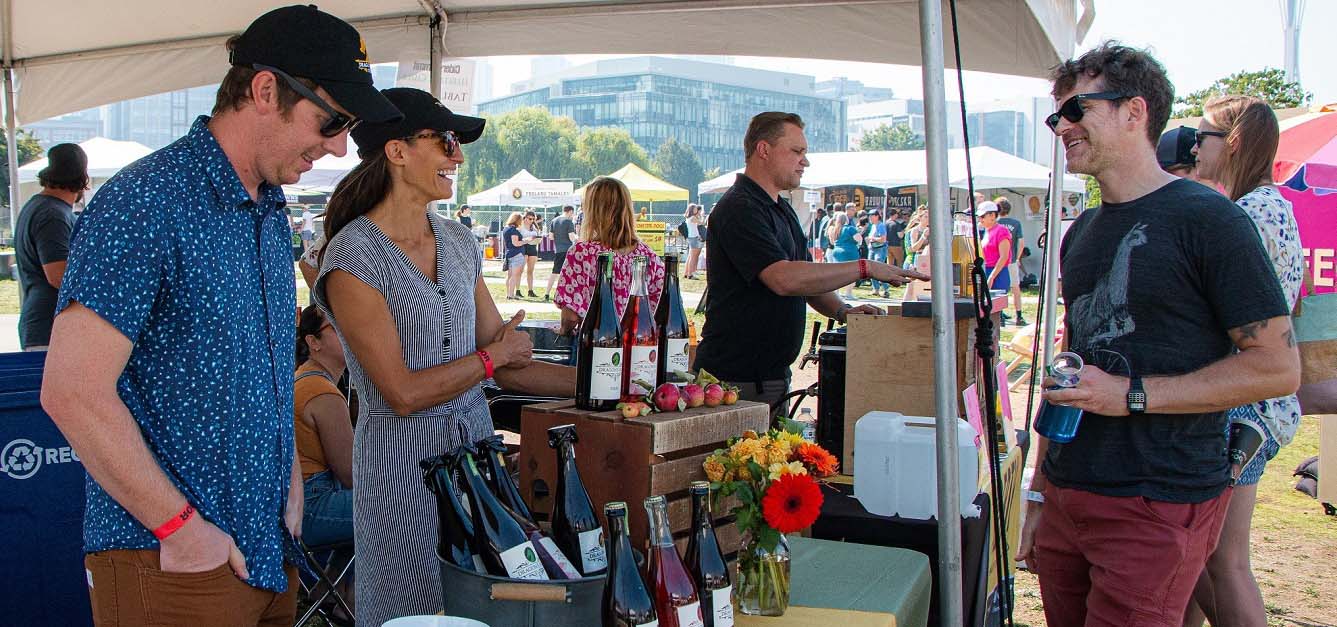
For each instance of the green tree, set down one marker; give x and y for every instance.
(1270, 84)
(529, 138)
(885, 137)
(678, 164)
(28, 149)
(1092, 191)
(605, 150)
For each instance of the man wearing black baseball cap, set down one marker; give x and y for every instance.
(42, 240)
(1174, 151)
(171, 360)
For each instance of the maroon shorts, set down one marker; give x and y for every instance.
(1125, 561)
(126, 587)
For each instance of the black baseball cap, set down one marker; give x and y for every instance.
(1175, 148)
(306, 42)
(421, 110)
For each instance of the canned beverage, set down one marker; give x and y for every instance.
(1059, 422)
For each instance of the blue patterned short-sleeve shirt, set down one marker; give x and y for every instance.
(175, 254)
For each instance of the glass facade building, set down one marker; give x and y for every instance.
(704, 105)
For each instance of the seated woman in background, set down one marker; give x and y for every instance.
(609, 225)
(323, 432)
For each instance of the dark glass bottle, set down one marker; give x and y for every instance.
(640, 338)
(575, 527)
(626, 602)
(502, 542)
(676, 601)
(671, 322)
(455, 532)
(493, 450)
(599, 346)
(705, 561)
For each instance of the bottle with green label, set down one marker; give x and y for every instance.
(455, 532)
(705, 561)
(626, 601)
(575, 527)
(599, 346)
(673, 363)
(504, 546)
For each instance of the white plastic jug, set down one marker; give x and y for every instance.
(896, 468)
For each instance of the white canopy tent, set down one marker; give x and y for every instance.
(105, 158)
(526, 190)
(110, 51)
(993, 169)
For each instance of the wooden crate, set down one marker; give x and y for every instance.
(630, 459)
(889, 367)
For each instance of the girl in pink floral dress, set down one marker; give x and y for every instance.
(609, 225)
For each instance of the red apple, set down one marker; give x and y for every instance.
(714, 395)
(730, 396)
(666, 397)
(695, 395)
(629, 410)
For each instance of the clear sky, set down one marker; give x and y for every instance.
(1199, 41)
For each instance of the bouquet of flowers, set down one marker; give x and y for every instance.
(775, 479)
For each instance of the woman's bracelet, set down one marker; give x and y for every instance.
(487, 363)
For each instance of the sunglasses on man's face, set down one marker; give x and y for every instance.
(447, 139)
(337, 122)
(1202, 134)
(1072, 110)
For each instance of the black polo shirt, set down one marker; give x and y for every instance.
(751, 333)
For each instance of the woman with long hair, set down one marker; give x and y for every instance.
(529, 232)
(845, 239)
(609, 226)
(404, 289)
(513, 253)
(693, 222)
(1237, 143)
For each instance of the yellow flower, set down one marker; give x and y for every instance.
(791, 468)
(745, 450)
(777, 451)
(793, 439)
(714, 469)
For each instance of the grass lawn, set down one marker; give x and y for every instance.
(9, 297)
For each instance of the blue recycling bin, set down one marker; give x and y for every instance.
(42, 579)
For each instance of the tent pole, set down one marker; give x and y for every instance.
(1054, 228)
(434, 50)
(944, 330)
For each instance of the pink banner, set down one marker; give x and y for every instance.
(1316, 215)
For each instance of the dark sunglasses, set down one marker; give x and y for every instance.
(1072, 108)
(1201, 134)
(447, 139)
(337, 122)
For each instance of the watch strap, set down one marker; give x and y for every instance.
(1137, 395)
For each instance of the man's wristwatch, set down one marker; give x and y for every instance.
(1137, 397)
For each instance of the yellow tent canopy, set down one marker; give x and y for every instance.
(645, 187)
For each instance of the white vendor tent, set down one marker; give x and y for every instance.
(526, 190)
(993, 169)
(105, 158)
(111, 51)
(327, 171)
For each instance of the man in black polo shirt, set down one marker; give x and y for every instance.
(761, 275)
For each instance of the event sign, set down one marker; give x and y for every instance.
(457, 80)
(869, 198)
(903, 198)
(1316, 215)
(652, 233)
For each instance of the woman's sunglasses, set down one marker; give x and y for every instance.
(337, 122)
(1201, 134)
(447, 139)
(1072, 108)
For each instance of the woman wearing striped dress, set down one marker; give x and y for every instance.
(404, 290)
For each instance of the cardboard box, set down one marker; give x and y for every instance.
(1327, 458)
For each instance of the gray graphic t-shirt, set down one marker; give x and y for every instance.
(1155, 285)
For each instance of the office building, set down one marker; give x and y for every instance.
(704, 105)
(1015, 126)
(852, 91)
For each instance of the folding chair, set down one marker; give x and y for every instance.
(322, 594)
(1022, 343)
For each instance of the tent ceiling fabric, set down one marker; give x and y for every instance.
(111, 51)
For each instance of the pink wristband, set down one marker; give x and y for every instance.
(174, 523)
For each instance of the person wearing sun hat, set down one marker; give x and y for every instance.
(169, 367)
(403, 288)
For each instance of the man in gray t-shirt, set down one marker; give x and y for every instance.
(563, 231)
(42, 241)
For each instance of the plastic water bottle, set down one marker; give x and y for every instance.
(1059, 422)
(809, 424)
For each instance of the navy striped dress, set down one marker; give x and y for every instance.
(394, 515)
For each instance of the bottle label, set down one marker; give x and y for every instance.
(522, 562)
(690, 615)
(643, 366)
(722, 604)
(606, 374)
(677, 357)
(558, 556)
(592, 556)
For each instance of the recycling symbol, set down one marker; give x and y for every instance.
(21, 459)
